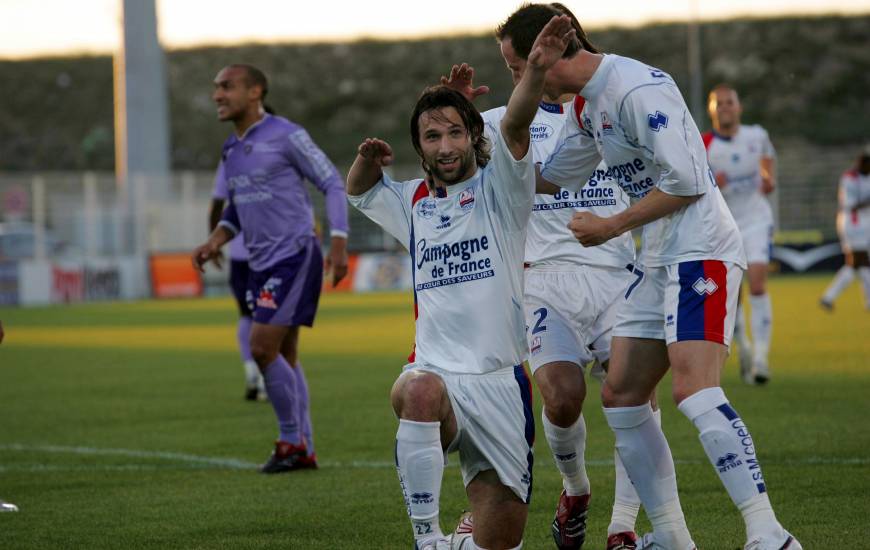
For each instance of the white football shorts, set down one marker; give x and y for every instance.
(570, 311)
(758, 243)
(495, 424)
(694, 300)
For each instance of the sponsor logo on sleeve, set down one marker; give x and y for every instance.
(658, 121)
(426, 207)
(540, 132)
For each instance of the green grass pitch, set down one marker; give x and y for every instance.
(123, 426)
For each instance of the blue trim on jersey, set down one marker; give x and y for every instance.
(690, 307)
(526, 394)
(717, 135)
(728, 412)
(551, 107)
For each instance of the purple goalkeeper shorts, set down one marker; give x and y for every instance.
(287, 293)
(239, 272)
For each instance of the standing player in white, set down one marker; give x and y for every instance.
(571, 296)
(466, 389)
(853, 226)
(681, 314)
(744, 163)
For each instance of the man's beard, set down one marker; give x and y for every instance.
(466, 162)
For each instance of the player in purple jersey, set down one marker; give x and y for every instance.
(255, 388)
(265, 163)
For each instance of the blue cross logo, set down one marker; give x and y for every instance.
(658, 121)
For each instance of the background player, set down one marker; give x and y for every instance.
(5, 506)
(680, 315)
(264, 164)
(239, 270)
(466, 388)
(744, 163)
(853, 226)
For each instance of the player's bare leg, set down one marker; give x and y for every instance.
(427, 425)
(762, 319)
(844, 277)
(744, 345)
(725, 437)
(268, 344)
(862, 266)
(499, 514)
(636, 367)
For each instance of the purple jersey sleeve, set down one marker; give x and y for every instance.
(230, 219)
(319, 170)
(220, 190)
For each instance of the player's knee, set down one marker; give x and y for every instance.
(610, 396)
(418, 396)
(563, 407)
(263, 355)
(758, 288)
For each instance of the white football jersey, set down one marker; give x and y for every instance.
(739, 158)
(549, 241)
(854, 188)
(634, 117)
(467, 250)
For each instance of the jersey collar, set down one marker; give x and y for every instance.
(597, 83)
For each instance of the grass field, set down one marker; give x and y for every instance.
(123, 426)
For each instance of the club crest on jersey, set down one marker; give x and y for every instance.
(266, 298)
(426, 208)
(535, 348)
(466, 199)
(540, 132)
(658, 121)
(606, 126)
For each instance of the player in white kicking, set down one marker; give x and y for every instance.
(853, 226)
(744, 163)
(681, 314)
(466, 389)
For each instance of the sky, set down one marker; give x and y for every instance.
(33, 28)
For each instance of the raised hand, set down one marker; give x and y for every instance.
(376, 151)
(461, 79)
(551, 42)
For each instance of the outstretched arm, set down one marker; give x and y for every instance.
(367, 169)
(523, 104)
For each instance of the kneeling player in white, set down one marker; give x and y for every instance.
(466, 389)
(853, 226)
(743, 162)
(681, 314)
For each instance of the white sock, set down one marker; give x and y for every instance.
(420, 465)
(626, 503)
(864, 274)
(740, 333)
(647, 458)
(762, 325)
(729, 447)
(569, 446)
(476, 547)
(841, 280)
(252, 374)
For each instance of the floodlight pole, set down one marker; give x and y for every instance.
(141, 116)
